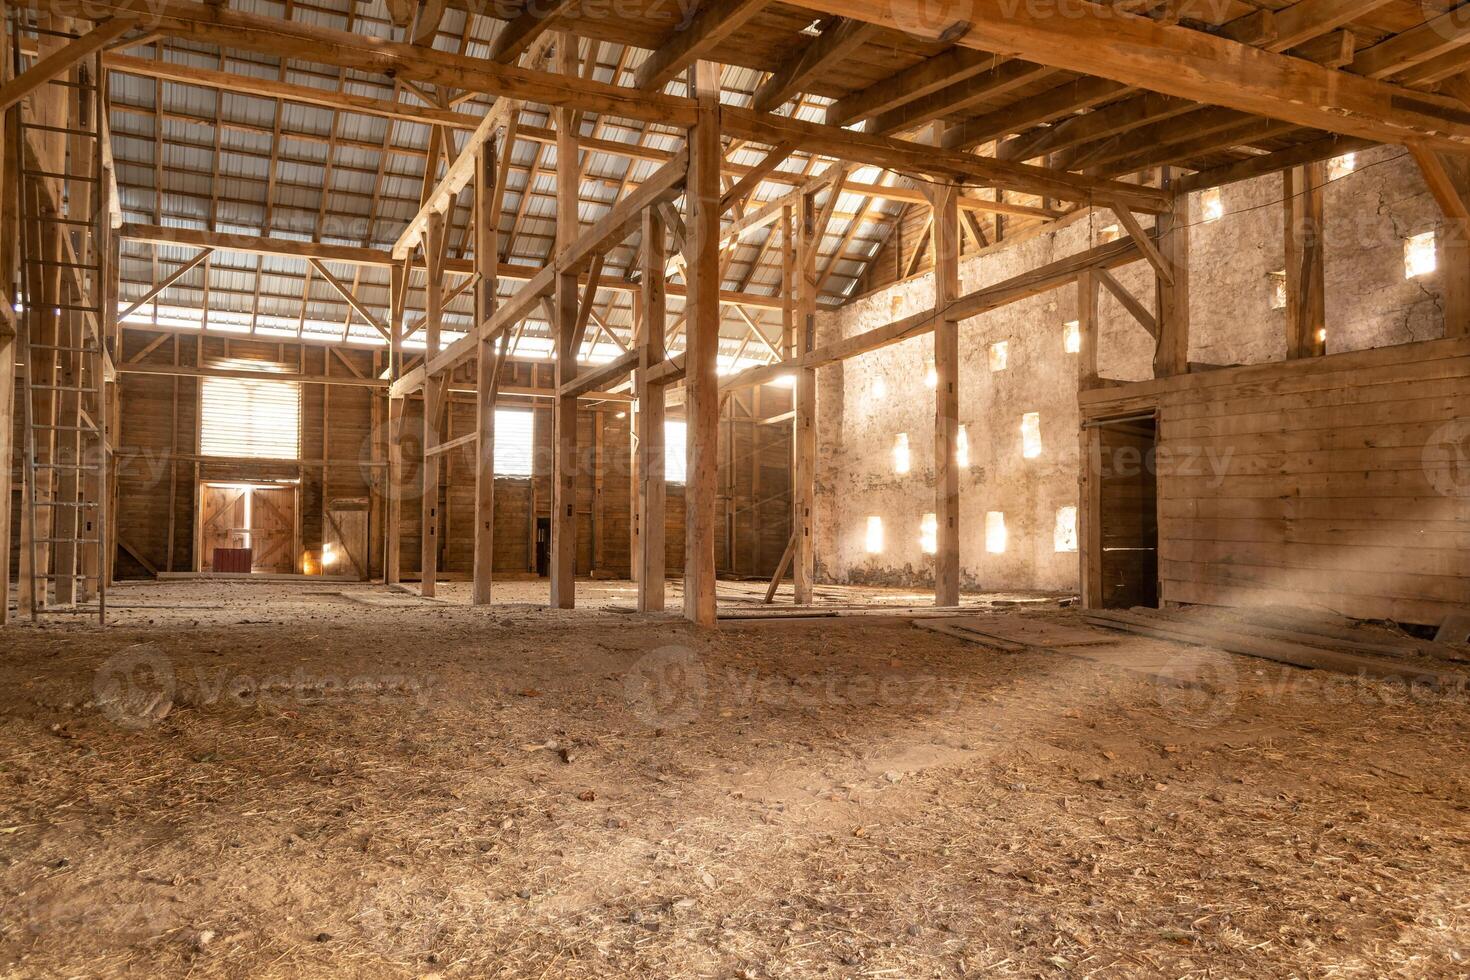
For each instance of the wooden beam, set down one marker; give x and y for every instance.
(946, 397)
(270, 88)
(434, 396)
(489, 355)
(563, 287)
(688, 42)
(172, 278)
(1171, 356)
(1024, 286)
(63, 59)
(1130, 303)
(702, 315)
(352, 300)
(1178, 61)
(1145, 244)
(649, 423)
(837, 40)
(804, 398)
(1449, 183)
(522, 31)
(1306, 293)
(1087, 326)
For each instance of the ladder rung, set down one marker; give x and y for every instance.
(90, 391)
(61, 129)
(49, 263)
(57, 575)
(65, 503)
(83, 467)
(68, 541)
(65, 428)
(74, 350)
(55, 176)
(78, 309)
(46, 219)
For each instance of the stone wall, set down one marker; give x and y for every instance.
(864, 404)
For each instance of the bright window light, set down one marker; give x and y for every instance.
(932, 378)
(675, 461)
(514, 431)
(874, 539)
(1072, 337)
(1065, 536)
(250, 418)
(1211, 206)
(1419, 257)
(929, 534)
(1278, 290)
(995, 532)
(901, 454)
(1000, 355)
(962, 447)
(1339, 167)
(1109, 233)
(1031, 435)
(880, 389)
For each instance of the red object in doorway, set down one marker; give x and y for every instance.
(232, 559)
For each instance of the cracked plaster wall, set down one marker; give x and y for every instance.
(865, 402)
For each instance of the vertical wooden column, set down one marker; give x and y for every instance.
(393, 520)
(788, 280)
(945, 200)
(804, 442)
(648, 559)
(1171, 357)
(564, 415)
(1089, 517)
(702, 316)
(1306, 291)
(1087, 329)
(434, 388)
(487, 373)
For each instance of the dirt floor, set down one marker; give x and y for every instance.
(322, 780)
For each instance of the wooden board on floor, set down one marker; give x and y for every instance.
(1029, 632)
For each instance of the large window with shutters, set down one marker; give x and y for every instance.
(515, 430)
(249, 417)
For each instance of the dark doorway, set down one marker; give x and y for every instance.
(1129, 492)
(543, 546)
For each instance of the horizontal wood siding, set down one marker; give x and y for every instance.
(1337, 483)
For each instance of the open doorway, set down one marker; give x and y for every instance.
(247, 527)
(1125, 507)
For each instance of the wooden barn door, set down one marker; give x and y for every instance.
(223, 520)
(273, 529)
(345, 537)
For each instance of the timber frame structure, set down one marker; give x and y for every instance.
(746, 163)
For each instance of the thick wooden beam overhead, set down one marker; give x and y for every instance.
(1295, 156)
(837, 40)
(226, 81)
(58, 62)
(688, 42)
(959, 97)
(1177, 61)
(323, 45)
(944, 69)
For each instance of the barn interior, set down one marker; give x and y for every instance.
(734, 488)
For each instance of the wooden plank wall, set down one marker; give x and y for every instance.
(1339, 482)
(157, 478)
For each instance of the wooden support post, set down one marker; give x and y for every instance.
(434, 391)
(1087, 329)
(649, 557)
(804, 442)
(564, 415)
(1171, 356)
(788, 281)
(946, 396)
(1306, 291)
(1089, 517)
(487, 374)
(702, 315)
(8, 347)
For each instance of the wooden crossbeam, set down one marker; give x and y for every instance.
(172, 278)
(346, 293)
(518, 35)
(1177, 61)
(686, 43)
(63, 58)
(836, 42)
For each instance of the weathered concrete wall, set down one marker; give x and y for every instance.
(866, 402)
